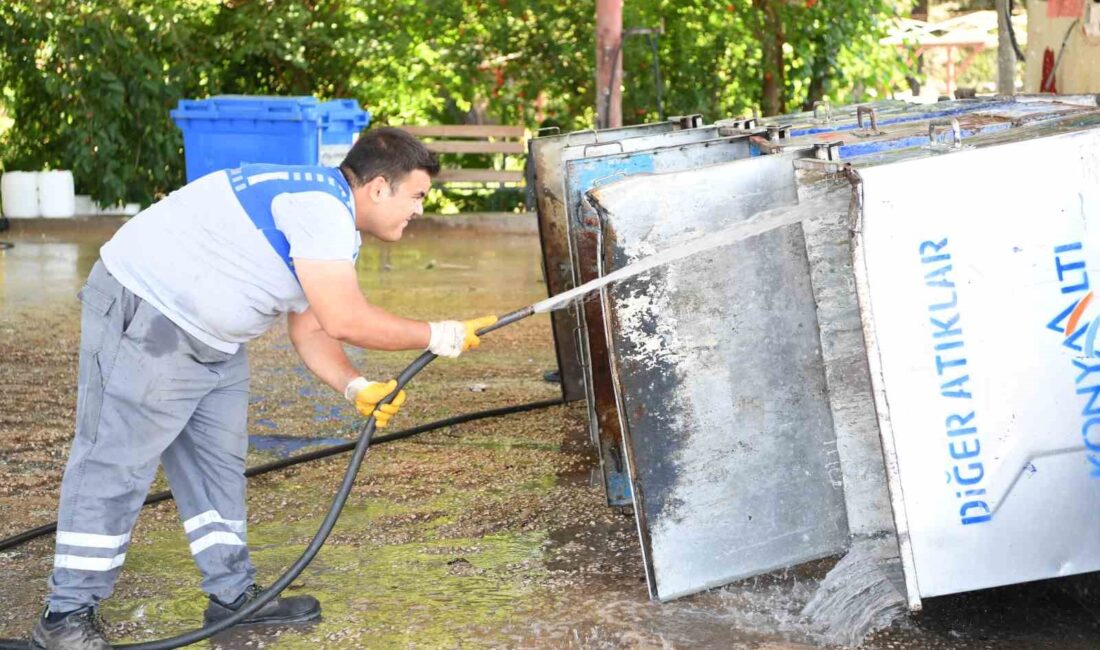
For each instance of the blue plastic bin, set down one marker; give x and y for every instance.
(342, 120)
(224, 131)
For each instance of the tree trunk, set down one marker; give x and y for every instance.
(609, 63)
(774, 85)
(1006, 56)
(819, 74)
(920, 10)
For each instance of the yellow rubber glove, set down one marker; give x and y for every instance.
(451, 338)
(472, 340)
(366, 395)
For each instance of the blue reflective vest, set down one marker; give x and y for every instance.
(257, 185)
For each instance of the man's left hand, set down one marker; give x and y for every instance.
(367, 394)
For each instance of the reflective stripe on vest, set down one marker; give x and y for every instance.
(257, 185)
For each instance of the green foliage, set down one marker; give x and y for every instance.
(89, 83)
(710, 55)
(89, 90)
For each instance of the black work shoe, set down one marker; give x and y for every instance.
(79, 630)
(292, 609)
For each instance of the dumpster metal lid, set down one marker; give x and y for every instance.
(721, 386)
(1069, 123)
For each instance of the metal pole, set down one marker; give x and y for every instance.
(609, 60)
(1006, 57)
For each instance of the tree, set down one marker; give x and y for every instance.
(89, 89)
(90, 83)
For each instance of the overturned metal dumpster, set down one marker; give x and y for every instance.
(547, 166)
(748, 399)
(589, 165)
(991, 458)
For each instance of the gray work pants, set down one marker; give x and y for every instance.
(147, 392)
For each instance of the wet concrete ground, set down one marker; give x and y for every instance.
(487, 534)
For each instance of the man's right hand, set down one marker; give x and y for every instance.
(451, 338)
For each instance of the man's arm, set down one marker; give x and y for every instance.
(344, 315)
(325, 357)
(322, 354)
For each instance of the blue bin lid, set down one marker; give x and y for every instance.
(344, 110)
(254, 107)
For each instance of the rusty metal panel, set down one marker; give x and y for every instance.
(545, 159)
(720, 380)
(666, 152)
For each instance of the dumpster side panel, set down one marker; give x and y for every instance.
(545, 155)
(978, 293)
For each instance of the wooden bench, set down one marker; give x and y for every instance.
(501, 141)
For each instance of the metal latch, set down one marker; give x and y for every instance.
(867, 110)
(935, 126)
(828, 150)
(692, 121)
(777, 132)
(737, 123)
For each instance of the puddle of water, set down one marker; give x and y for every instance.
(50, 262)
(47, 267)
(286, 446)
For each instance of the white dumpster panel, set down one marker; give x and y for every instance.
(977, 273)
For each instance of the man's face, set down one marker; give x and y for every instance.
(382, 209)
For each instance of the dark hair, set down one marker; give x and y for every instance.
(387, 152)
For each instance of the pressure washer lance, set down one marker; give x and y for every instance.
(759, 223)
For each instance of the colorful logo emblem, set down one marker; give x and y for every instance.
(1077, 330)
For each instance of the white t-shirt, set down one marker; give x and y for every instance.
(198, 259)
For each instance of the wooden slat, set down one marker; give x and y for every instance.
(479, 176)
(465, 131)
(459, 146)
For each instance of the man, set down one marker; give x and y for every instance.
(163, 373)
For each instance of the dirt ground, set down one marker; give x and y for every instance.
(487, 534)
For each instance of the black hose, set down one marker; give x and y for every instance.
(366, 433)
(318, 454)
